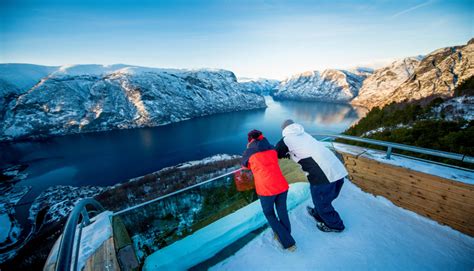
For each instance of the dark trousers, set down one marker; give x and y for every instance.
(281, 225)
(323, 195)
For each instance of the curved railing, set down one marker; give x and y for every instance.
(66, 260)
(390, 146)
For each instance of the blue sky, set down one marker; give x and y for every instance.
(271, 39)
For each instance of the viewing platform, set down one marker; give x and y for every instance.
(400, 213)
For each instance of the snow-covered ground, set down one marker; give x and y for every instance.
(9, 227)
(383, 129)
(456, 108)
(421, 166)
(207, 160)
(60, 200)
(378, 236)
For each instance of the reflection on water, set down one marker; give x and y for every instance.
(323, 113)
(110, 157)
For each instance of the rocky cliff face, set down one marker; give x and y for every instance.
(437, 74)
(88, 98)
(328, 85)
(384, 81)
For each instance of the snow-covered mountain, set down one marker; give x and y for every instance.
(22, 76)
(259, 86)
(328, 85)
(384, 81)
(42, 101)
(436, 74)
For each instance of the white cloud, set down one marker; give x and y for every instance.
(411, 9)
(375, 64)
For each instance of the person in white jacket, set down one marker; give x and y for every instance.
(324, 170)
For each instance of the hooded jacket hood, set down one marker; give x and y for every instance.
(293, 129)
(321, 164)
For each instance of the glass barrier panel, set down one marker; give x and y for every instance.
(161, 223)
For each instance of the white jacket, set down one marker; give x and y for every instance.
(313, 156)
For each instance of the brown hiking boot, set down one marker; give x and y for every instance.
(292, 248)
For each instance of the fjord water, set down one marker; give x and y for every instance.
(107, 158)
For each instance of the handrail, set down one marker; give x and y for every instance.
(390, 146)
(174, 193)
(66, 247)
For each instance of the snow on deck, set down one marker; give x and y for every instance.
(421, 166)
(378, 236)
(92, 237)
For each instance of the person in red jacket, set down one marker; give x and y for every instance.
(272, 188)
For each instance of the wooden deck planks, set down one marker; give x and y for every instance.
(447, 201)
(104, 258)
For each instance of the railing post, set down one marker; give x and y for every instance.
(389, 152)
(67, 244)
(85, 217)
(78, 246)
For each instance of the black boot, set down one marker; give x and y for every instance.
(323, 227)
(312, 212)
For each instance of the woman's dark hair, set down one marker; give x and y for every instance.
(254, 134)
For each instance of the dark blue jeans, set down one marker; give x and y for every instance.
(323, 195)
(281, 225)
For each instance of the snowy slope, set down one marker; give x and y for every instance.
(22, 76)
(260, 86)
(438, 73)
(378, 236)
(10, 228)
(456, 108)
(88, 98)
(328, 85)
(383, 82)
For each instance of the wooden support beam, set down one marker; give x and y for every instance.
(446, 201)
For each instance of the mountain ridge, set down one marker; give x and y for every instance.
(435, 74)
(103, 97)
(327, 85)
(91, 98)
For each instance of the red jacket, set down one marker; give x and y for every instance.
(262, 159)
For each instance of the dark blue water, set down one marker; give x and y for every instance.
(108, 158)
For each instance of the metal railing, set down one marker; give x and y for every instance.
(391, 146)
(174, 193)
(66, 261)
